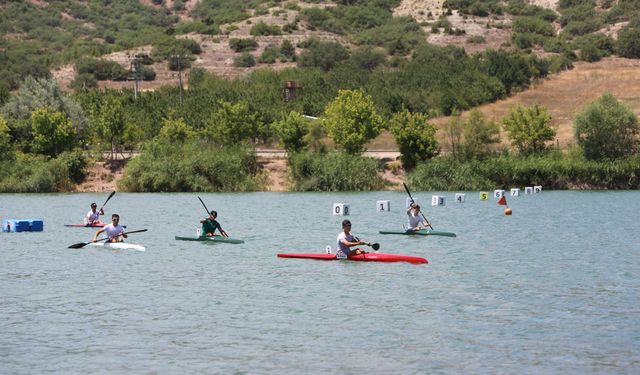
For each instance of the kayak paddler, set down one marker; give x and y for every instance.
(346, 241)
(416, 221)
(93, 217)
(114, 231)
(210, 225)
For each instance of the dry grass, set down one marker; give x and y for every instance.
(567, 93)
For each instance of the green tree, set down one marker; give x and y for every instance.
(5, 139)
(292, 131)
(53, 133)
(36, 93)
(287, 50)
(606, 129)
(629, 41)
(323, 55)
(453, 134)
(351, 120)
(415, 137)
(479, 136)
(233, 124)
(529, 128)
(108, 122)
(176, 130)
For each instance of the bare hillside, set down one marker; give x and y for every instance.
(569, 92)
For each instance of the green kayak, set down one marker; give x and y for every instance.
(422, 232)
(220, 239)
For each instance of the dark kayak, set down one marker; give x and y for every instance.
(368, 257)
(211, 239)
(421, 232)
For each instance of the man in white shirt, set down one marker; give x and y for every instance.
(114, 231)
(346, 240)
(93, 217)
(416, 219)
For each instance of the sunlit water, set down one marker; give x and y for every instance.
(552, 289)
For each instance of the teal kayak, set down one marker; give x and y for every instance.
(421, 232)
(221, 239)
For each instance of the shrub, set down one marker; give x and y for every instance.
(291, 132)
(529, 129)
(245, 60)
(101, 69)
(269, 55)
(84, 81)
(334, 172)
(629, 42)
(554, 170)
(416, 138)
(191, 166)
(38, 174)
(476, 39)
(243, 45)
(262, 28)
(323, 55)
(607, 129)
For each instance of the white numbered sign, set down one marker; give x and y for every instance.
(515, 192)
(459, 198)
(537, 189)
(382, 206)
(498, 194)
(341, 209)
(528, 190)
(437, 200)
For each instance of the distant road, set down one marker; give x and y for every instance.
(269, 153)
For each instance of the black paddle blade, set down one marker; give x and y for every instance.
(79, 245)
(375, 246)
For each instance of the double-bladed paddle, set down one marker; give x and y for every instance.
(80, 245)
(105, 202)
(209, 213)
(205, 206)
(412, 201)
(374, 246)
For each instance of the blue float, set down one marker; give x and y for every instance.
(22, 225)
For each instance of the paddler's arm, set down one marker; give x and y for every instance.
(95, 235)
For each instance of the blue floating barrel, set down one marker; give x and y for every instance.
(36, 225)
(22, 225)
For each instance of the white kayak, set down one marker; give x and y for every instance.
(119, 246)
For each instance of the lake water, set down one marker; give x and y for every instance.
(552, 289)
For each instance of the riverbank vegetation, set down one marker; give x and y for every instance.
(385, 77)
(193, 165)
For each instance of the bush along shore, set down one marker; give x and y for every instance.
(554, 170)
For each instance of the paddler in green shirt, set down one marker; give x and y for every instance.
(210, 225)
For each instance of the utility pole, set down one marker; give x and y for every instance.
(134, 76)
(178, 60)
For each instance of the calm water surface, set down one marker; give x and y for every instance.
(553, 289)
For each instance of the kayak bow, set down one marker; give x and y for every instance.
(211, 239)
(118, 246)
(421, 232)
(368, 257)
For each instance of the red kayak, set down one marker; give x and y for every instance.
(368, 257)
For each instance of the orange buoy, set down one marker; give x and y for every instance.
(507, 211)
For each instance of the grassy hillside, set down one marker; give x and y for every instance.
(53, 37)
